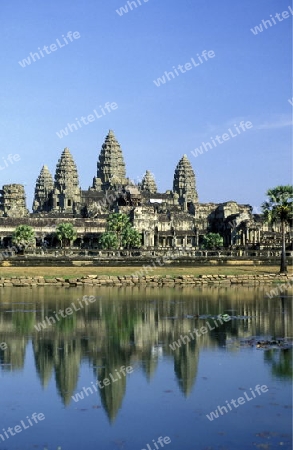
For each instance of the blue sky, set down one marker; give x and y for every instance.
(117, 58)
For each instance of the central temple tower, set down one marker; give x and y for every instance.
(66, 193)
(111, 166)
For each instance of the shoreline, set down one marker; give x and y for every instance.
(155, 280)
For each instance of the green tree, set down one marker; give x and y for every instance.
(118, 223)
(278, 208)
(23, 236)
(108, 240)
(131, 238)
(65, 233)
(212, 241)
(120, 233)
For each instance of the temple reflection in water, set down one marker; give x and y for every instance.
(134, 327)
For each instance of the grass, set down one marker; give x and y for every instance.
(77, 272)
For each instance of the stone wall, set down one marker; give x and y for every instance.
(132, 280)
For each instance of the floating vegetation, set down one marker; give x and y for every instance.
(268, 343)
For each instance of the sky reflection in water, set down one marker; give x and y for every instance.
(169, 393)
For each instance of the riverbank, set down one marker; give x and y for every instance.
(78, 272)
(153, 280)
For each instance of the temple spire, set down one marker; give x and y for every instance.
(111, 166)
(66, 196)
(43, 191)
(184, 183)
(148, 183)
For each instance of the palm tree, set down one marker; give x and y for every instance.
(278, 208)
(65, 233)
(23, 236)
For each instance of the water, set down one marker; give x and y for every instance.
(167, 393)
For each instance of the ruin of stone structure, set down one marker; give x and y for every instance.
(13, 201)
(173, 219)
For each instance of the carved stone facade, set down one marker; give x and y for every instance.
(43, 191)
(13, 201)
(174, 219)
(66, 192)
(148, 183)
(184, 184)
(111, 166)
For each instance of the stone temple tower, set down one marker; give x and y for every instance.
(66, 193)
(111, 166)
(13, 201)
(184, 183)
(148, 183)
(43, 191)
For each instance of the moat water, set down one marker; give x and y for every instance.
(106, 376)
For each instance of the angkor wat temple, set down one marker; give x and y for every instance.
(174, 219)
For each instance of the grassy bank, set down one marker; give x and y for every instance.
(77, 272)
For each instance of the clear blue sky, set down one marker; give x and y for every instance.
(117, 58)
